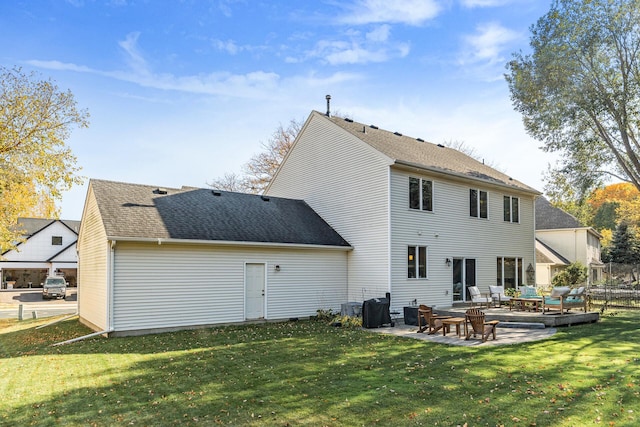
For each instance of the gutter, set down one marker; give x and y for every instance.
(467, 178)
(162, 241)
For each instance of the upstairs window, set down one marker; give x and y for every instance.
(56, 240)
(417, 262)
(478, 204)
(420, 194)
(511, 209)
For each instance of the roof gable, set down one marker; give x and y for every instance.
(415, 152)
(145, 212)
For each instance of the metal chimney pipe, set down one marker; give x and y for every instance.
(328, 105)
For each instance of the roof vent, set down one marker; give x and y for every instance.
(160, 191)
(216, 192)
(440, 145)
(265, 198)
(373, 126)
(346, 119)
(328, 98)
(420, 139)
(397, 133)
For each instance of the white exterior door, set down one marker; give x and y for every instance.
(254, 290)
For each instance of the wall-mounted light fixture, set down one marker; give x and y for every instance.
(448, 262)
(277, 267)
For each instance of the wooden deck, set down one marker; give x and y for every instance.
(550, 319)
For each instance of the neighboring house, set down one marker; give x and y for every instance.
(562, 240)
(425, 221)
(154, 259)
(49, 249)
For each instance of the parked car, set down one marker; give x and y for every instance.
(54, 287)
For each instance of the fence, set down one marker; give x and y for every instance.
(614, 296)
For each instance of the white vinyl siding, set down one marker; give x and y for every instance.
(347, 183)
(39, 247)
(449, 232)
(92, 266)
(175, 286)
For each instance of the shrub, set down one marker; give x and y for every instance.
(574, 274)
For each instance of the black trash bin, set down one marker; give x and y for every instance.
(375, 313)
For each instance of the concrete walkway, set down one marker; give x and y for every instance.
(504, 336)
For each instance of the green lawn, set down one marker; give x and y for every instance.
(310, 374)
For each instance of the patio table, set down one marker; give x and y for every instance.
(525, 304)
(457, 321)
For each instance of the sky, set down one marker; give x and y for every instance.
(182, 92)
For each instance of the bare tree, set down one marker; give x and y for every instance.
(259, 170)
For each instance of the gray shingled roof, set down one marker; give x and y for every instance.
(548, 217)
(33, 225)
(140, 211)
(411, 151)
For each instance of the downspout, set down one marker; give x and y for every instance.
(81, 338)
(110, 290)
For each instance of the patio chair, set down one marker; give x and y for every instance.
(477, 298)
(497, 295)
(429, 321)
(476, 324)
(564, 299)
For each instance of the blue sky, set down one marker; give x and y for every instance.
(181, 92)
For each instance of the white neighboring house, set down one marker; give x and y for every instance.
(49, 249)
(425, 221)
(154, 259)
(562, 240)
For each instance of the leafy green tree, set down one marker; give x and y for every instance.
(579, 89)
(36, 165)
(606, 217)
(574, 274)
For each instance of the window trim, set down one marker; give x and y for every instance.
(477, 204)
(519, 271)
(421, 188)
(420, 253)
(512, 212)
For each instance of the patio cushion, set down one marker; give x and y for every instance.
(575, 295)
(528, 292)
(559, 291)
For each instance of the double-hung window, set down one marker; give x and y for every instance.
(511, 209)
(478, 204)
(417, 262)
(420, 194)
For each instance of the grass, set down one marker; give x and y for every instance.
(311, 374)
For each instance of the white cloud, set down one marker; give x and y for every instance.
(485, 3)
(337, 52)
(134, 57)
(379, 34)
(228, 46)
(410, 12)
(487, 44)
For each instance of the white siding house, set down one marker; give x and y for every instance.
(155, 259)
(425, 221)
(562, 240)
(49, 249)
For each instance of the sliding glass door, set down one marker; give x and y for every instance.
(464, 275)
